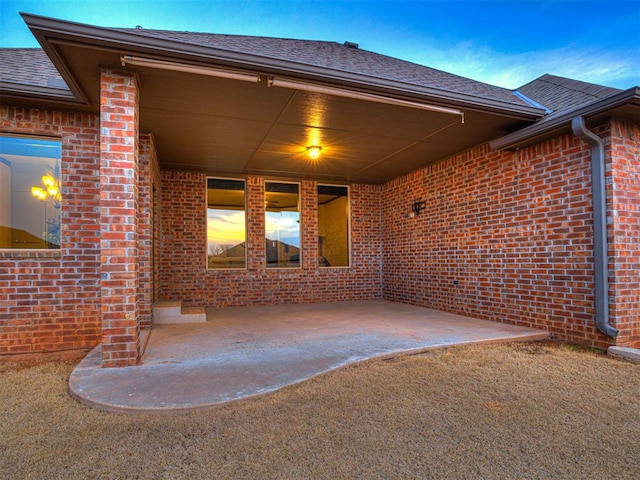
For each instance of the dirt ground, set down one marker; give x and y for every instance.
(518, 411)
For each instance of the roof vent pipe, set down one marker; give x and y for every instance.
(599, 225)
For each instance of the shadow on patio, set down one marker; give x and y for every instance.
(245, 351)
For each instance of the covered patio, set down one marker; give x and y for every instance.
(246, 351)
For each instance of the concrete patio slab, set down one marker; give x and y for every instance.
(625, 353)
(244, 351)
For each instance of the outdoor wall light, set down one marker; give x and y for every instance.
(418, 206)
(314, 151)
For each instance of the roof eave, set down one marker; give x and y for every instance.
(545, 129)
(12, 90)
(49, 32)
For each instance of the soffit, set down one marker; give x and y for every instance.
(235, 128)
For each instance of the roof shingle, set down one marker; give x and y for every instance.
(561, 94)
(339, 57)
(29, 66)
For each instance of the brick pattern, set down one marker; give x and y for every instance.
(256, 246)
(504, 236)
(183, 227)
(119, 218)
(50, 300)
(309, 223)
(148, 227)
(183, 260)
(624, 248)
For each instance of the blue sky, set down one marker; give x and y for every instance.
(505, 43)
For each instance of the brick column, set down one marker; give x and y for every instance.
(309, 219)
(623, 173)
(118, 218)
(256, 248)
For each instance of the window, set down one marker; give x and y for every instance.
(333, 226)
(282, 221)
(30, 197)
(226, 237)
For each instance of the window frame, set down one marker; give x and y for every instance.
(41, 252)
(246, 222)
(300, 225)
(348, 213)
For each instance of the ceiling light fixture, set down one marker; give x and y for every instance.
(51, 191)
(186, 68)
(341, 92)
(314, 151)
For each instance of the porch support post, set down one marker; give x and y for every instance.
(119, 95)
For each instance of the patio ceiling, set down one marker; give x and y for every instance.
(232, 127)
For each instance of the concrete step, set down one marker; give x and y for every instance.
(171, 311)
(164, 311)
(194, 314)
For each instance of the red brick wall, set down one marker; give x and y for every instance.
(624, 247)
(183, 226)
(119, 257)
(50, 300)
(183, 259)
(148, 227)
(513, 229)
(505, 236)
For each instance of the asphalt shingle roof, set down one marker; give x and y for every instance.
(339, 57)
(29, 66)
(561, 94)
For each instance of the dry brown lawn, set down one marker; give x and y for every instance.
(520, 411)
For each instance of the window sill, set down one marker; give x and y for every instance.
(27, 253)
(216, 270)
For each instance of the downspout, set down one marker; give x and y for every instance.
(599, 225)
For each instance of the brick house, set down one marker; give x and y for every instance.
(138, 165)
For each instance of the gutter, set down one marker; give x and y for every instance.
(548, 125)
(625, 102)
(599, 225)
(53, 94)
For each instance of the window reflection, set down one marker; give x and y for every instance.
(282, 224)
(30, 192)
(333, 226)
(226, 237)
